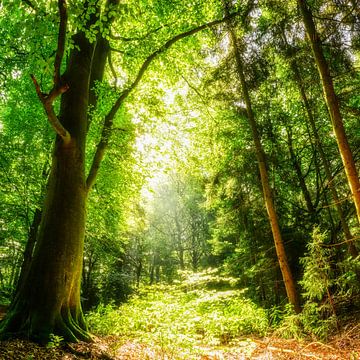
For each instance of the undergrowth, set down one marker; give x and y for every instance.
(187, 316)
(205, 309)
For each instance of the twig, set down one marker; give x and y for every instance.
(117, 50)
(317, 343)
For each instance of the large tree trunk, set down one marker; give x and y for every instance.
(267, 192)
(48, 301)
(332, 104)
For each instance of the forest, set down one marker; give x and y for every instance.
(179, 179)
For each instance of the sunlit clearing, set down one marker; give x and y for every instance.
(163, 144)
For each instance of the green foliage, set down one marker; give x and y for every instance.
(317, 267)
(185, 315)
(185, 130)
(319, 315)
(55, 341)
(309, 324)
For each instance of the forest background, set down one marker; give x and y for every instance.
(201, 136)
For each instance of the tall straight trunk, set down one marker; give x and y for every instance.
(267, 192)
(332, 104)
(48, 301)
(179, 243)
(348, 236)
(138, 271)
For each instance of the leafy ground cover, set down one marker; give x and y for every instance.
(201, 318)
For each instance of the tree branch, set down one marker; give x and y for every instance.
(117, 50)
(109, 118)
(30, 4)
(61, 42)
(58, 87)
(139, 38)
(47, 102)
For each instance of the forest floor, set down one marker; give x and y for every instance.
(343, 346)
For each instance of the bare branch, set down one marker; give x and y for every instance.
(109, 118)
(47, 101)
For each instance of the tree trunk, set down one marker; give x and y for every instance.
(29, 248)
(32, 234)
(318, 143)
(348, 236)
(332, 104)
(268, 197)
(48, 301)
(138, 269)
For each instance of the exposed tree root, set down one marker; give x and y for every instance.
(32, 326)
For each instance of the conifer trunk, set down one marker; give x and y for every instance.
(267, 192)
(304, 189)
(332, 104)
(348, 236)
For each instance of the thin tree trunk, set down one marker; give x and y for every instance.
(332, 104)
(309, 205)
(138, 269)
(267, 192)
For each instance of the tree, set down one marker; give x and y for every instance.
(332, 104)
(48, 300)
(267, 191)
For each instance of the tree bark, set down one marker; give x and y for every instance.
(29, 248)
(48, 301)
(267, 192)
(32, 234)
(332, 104)
(318, 143)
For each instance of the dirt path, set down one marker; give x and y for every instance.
(346, 347)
